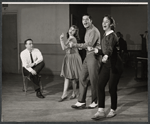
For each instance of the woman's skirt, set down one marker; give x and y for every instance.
(71, 66)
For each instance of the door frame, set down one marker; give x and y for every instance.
(7, 12)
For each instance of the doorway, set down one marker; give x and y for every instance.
(9, 43)
(76, 13)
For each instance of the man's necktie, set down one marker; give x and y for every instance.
(31, 57)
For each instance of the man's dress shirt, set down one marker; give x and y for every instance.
(26, 59)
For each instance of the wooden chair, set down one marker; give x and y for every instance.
(26, 81)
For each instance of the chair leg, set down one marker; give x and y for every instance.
(27, 80)
(25, 84)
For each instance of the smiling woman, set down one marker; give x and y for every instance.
(111, 69)
(71, 65)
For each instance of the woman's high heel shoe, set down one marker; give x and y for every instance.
(62, 99)
(73, 97)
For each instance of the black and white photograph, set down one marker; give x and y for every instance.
(74, 62)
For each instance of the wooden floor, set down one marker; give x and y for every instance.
(18, 107)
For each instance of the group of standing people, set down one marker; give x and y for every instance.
(101, 65)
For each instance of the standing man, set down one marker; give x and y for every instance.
(32, 63)
(91, 64)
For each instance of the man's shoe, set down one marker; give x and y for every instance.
(99, 115)
(79, 107)
(92, 105)
(112, 113)
(39, 94)
(62, 99)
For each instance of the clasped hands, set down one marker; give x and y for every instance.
(105, 57)
(33, 72)
(92, 49)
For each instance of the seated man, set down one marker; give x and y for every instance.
(32, 63)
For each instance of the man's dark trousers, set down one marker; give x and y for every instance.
(35, 78)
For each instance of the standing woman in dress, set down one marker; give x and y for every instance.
(72, 62)
(111, 68)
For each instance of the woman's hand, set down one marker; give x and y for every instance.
(62, 36)
(105, 58)
(95, 50)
